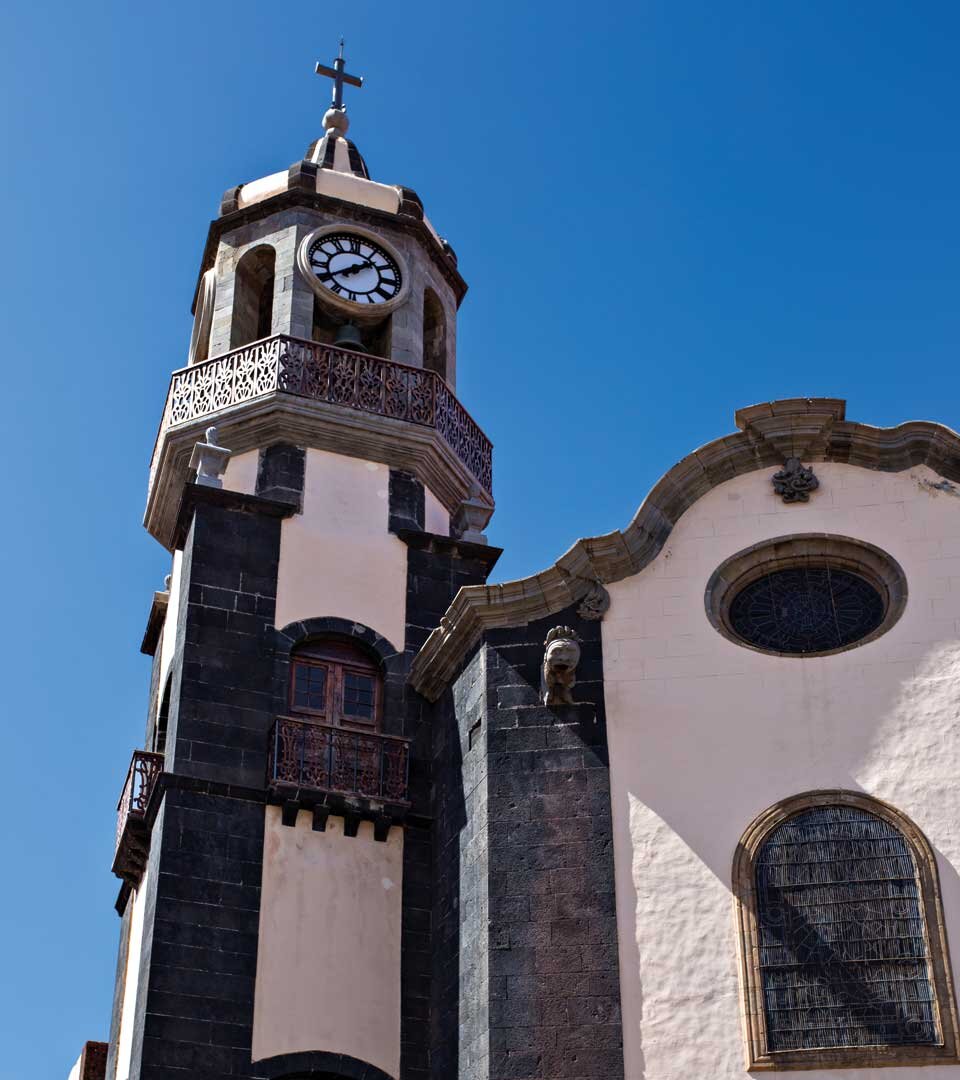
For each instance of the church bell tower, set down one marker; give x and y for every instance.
(322, 493)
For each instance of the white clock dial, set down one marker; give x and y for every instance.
(355, 269)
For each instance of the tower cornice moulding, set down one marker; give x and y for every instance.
(813, 429)
(408, 219)
(317, 425)
(313, 424)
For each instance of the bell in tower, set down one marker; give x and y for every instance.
(322, 494)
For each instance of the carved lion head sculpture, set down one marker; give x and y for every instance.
(559, 673)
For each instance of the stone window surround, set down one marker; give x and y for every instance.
(322, 1064)
(336, 658)
(881, 570)
(758, 1058)
(385, 655)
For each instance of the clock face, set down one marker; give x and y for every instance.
(355, 269)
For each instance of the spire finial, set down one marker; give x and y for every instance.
(335, 117)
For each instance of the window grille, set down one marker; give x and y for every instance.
(843, 956)
(806, 609)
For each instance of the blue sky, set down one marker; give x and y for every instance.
(665, 210)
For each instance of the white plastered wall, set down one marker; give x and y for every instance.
(337, 557)
(241, 472)
(435, 514)
(704, 734)
(328, 960)
(168, 639)
(131, 980)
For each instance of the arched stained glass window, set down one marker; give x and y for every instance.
(844, 955)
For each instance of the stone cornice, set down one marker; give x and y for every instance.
(407, 220)
(814, 429)
(195, 495)
(422, 540)
(158, 612)
(316, 424)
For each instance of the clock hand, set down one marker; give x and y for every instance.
(355, 269)
(347, 271)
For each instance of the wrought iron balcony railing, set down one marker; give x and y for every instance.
(324, 760)
(133, 845)
(353, 380)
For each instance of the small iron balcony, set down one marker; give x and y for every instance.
(355, 773)
(133, 840)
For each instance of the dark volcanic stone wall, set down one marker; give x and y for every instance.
(538, 976)
(437, 567)
(201, 893)
(203, 913)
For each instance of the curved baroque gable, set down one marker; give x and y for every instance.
(812, 429)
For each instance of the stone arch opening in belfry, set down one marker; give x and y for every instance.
(253, 296)
(434, 334)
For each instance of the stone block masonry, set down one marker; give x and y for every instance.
(281, 472)
(202, 887)
(201, 893)
(437, 566)
(406, 506)
(538, 976)
(201, 929)
(221, 703)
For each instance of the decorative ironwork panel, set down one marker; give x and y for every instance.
(464, 436)
(142, 775)
(422, 406)
(370, 377)
(396, 393)
(338, 377)
(806, 610)
(842, 949)
(228, 380)
(336, 760)
(343, 378)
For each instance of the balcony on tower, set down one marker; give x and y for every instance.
(331, 398)
(133, 835)
(361, 775)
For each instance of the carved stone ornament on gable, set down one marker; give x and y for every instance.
(595, 604)
(795, 482)
(559, 673)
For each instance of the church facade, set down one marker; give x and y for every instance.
(683, 803)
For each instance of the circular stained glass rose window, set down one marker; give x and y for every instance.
(806, 609)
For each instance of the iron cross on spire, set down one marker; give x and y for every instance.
(339, 77)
